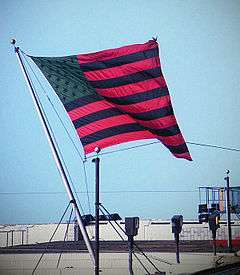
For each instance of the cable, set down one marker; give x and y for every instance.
(134, 254)
(114, 220)
(154, 142)
(214, 146)
(24, 55)
(124, 149)
(121, 235)
(55, 140)
(103, 192)
(159, 259)
(136, 244)
(69, 136)
(65, 236)
(50, 239)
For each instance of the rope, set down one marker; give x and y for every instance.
(122, 237)
(135, 243)
(103, 192)
(154, 142)
(29, 65)
(112, 225)
(68, 134)
(134, 254)
(214, 146)
(55, 141)
(50, 239)
(65, 236)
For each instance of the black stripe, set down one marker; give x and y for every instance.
(153, 114)
(179, 149)
(132, 127)
(126, 79)
(96, 116)
(165, 132)
(82, 101)
(139, 97)
(123, 100)
(120, 60)
(111, 131)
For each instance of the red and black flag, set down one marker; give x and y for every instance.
(115, 96)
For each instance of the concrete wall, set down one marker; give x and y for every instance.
(148, 230)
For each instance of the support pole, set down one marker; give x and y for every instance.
(97, 206)
(176, 235)
(12, 237)
(54, 152)
(214, 233)
(22, 236)
(7, 240)
(228, 204)
(130, 253)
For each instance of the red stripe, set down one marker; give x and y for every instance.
(125, 69)
(145, 106)
(89, 108)
(133, 88)
(225, 242)
(183, 155)
(104, 124)
(103, 143)
(158, 123)
(112, 53)
(172, 140)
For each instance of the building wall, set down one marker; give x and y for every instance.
(16, 234)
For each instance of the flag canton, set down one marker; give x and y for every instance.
(66, 77)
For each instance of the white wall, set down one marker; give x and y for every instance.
(148, 230)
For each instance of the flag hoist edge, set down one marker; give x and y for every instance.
(115, 96)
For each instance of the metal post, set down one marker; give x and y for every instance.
(12, 236)
(54, 152)
(130, 252)
(177, 247)
(228, 204)
(7, 240)
(22, 236)
(97, 204)
(214, 242)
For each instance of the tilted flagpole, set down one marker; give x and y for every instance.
(55, 153)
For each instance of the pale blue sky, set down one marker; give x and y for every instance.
(199, 46)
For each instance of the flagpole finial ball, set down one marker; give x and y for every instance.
(97, 149)
(13, 41)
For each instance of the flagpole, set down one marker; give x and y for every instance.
(97, 204)
(55, 153)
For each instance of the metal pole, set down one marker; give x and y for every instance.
(7, 240)
(177, 247)
(214, 243)
(228, 204)
(130, 252)
(97, 203)
(22, 236)
(12, 237)
(54, 152)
